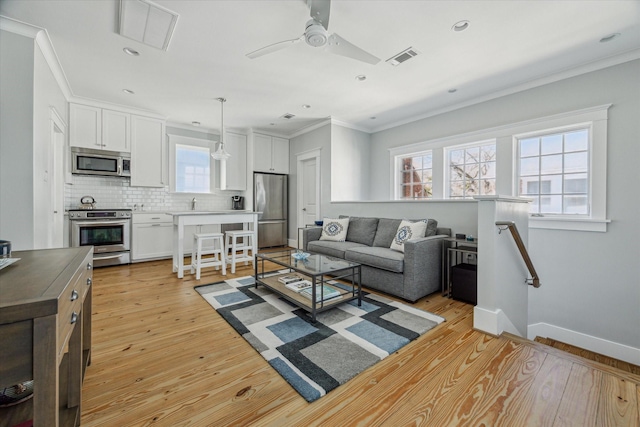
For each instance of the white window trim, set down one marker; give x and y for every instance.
(395, 167)
(506, 167)
(196, 142)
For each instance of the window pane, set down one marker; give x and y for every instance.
(416, 162)
(551, 164)
(551, 184)
(551, 144)
(488, 170)
(488, 187)
(530, 147)
(457, 189)
(472, 155)
(575, 205)
(471, 171)
(576, 183)
(456, 173)
(530, 186)
(551, 204)
(488, 153)
(192, 169)
(576, 141)
(576, 162)
(427, 175)
(529, 166)
(427, 162)
(456, 157)
(473, 187)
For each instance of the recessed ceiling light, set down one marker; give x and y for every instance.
(361, 77)
(272, 124)
(460, 26)
(131, 52)
(306, 106)
(128, 91)
(195, 123)
(454, 90)
(372, 118)
(609, 37)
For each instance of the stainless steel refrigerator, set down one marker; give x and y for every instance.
(270, 197)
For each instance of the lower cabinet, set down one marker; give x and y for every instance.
(151, 236)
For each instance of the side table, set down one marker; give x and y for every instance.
(456, 250)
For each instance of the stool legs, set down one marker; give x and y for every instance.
(216, 261)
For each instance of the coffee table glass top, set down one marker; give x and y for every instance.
(314, 264)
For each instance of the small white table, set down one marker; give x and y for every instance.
(249, 220)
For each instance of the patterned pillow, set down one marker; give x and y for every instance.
(408, 230)
(334, 229)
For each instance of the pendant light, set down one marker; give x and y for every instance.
(221, 153)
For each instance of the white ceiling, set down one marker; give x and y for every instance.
(509, 45)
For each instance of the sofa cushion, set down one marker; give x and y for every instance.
(361, 230)
(383, 258)
(335, 230)
(408, 230)
(387, 229)
(326, 247)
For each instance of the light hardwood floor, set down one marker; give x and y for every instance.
(163, 357)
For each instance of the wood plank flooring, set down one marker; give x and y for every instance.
(163, 357)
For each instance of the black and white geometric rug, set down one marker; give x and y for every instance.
(317, 357)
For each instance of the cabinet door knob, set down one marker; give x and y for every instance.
(74, 295)
(89, 281)
(89, 266)
(74, 317)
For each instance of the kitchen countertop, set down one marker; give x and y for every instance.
(221, 212)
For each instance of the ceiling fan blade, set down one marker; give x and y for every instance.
(272, 48)
(340, 46)
(320, 10)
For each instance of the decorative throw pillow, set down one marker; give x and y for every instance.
(334, 229)
(408, 230)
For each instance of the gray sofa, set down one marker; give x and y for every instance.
(410, 275)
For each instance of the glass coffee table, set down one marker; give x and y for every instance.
(317, 282)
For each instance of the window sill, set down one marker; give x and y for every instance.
(572, 224)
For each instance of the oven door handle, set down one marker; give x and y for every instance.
(98, 258)
(99, 223)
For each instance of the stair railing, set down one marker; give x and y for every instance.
(503, 225)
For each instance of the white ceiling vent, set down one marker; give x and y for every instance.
(403, 56)
(288, 116)
(147, 22)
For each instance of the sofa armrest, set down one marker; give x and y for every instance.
(423, 266)
(310, 234)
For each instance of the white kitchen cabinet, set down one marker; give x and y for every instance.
(148, 152)
(100, 129)
(85, 128)
(151, 236)
(270, 154)
(116, 131)
(232, 173)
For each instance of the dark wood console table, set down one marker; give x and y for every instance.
(45, 331)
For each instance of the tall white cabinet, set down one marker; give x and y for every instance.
(148, 152)
(270, 154)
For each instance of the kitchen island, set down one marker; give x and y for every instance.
(249, 220)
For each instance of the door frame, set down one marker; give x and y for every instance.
(57, 175)
(300, 159)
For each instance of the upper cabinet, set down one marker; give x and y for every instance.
(148, 152)
(232, 173)
(97, 128)
(270, 154)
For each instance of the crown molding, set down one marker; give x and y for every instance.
(19, 27)
(600, 64)
(310, 128)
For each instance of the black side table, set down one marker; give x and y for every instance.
(456, 250)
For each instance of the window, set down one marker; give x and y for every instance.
(472, 171)
(416, 176)
(191, 166)
(554, 171)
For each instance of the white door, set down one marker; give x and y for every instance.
(56, 181)
(309, 196)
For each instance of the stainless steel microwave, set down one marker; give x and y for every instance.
(95, 162)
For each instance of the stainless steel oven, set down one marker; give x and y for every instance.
(107, 230)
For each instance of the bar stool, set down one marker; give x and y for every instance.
(232, 244)
(217, 248)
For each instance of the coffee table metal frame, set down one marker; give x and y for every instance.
(319, 269)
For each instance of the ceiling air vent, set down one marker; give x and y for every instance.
(403, 56)
(147, 22)
(288, 116)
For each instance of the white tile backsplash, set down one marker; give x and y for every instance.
(114, 192)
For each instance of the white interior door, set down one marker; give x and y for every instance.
(308, 192)
(57, 180)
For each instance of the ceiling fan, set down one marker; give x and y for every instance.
(316, 35)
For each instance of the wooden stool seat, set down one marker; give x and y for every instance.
(248, 243)
(218, 260)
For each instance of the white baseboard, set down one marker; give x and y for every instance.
(293, 243)
(588, 342)
(493, 322)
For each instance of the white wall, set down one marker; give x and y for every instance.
(16, 136)
(350, 164)
(590, 280)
